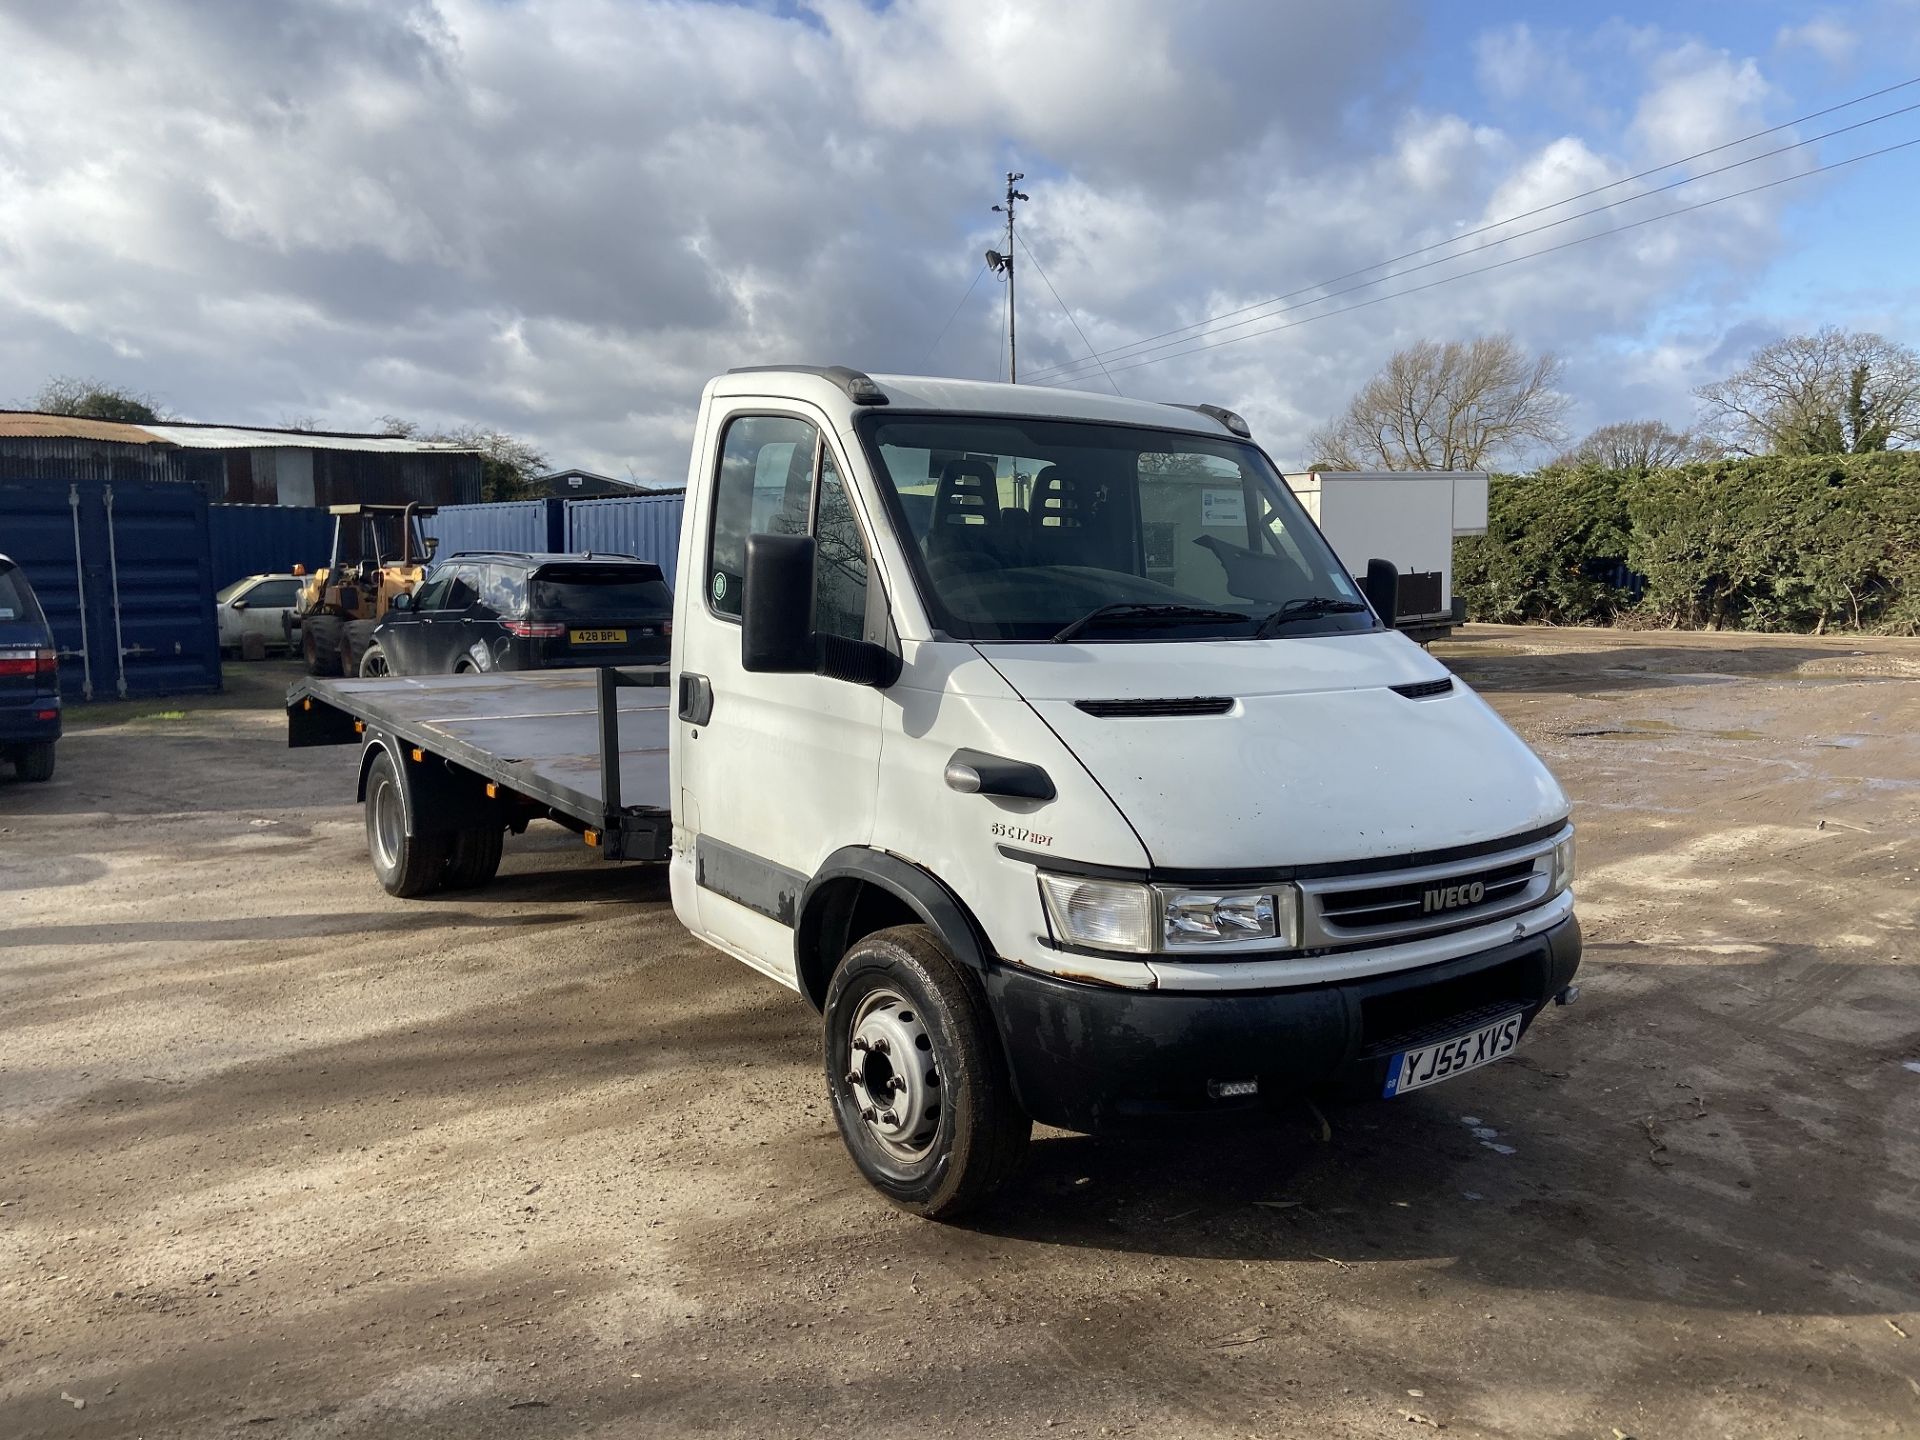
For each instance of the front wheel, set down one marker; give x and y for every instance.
(918, 1080)
(373, 663)
(406, 865)
(320, 643)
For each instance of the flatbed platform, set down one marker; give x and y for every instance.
(588, 744)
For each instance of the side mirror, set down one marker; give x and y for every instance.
(236, 604)
(430, 544)
(1382, 589)
(776, 608)
(402, 601)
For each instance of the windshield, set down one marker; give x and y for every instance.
(1022, 529)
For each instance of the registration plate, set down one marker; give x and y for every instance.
(599, 637)
(1444, 1059)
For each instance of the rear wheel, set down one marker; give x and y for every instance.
(35, 762)
(918, 1079)
(320, 643)
(474, 858)
(373, 663)
(407, 865)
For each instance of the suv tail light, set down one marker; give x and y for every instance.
(534, 629)
(40, 662)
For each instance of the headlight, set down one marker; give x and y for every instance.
(1101, 914)
(1145, 919)
(1198, 919)
(1563, 865)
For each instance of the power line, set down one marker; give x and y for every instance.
(956, 311)
(1060, 371)
(1530, 255)
(1523, 215)
(1092, 353)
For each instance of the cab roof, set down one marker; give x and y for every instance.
(839, 388)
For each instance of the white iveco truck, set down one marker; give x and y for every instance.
(1040, 742)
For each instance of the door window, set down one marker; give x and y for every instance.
(463, 590)
(433, 594)
(765, 487)
(840, 560)
(273, 594)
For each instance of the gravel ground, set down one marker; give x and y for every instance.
(281, 1156)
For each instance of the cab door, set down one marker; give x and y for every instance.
(776, 772)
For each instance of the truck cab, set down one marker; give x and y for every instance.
(1041, 742)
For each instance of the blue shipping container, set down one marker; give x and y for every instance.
(644, 526)
(501, 525)
(125, 574)
(266, 540)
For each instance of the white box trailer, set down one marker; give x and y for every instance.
(1408, 517)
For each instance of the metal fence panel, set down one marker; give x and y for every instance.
(266, 540)
(644, 526)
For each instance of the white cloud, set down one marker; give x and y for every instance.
(561, 217)
(1823, 35)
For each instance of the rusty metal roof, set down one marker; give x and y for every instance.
(192, 436)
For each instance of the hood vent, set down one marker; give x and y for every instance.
(1139, 709)
(1424, 689)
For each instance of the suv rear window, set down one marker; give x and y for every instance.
(612, 591)
(16, 597)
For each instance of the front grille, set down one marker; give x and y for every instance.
(1136, 709)
(1416, 900)
(1421, 900)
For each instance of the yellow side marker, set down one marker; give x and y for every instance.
(418, 756)
(359, 727)
(306, 704)
(493, 791)
(592, 837)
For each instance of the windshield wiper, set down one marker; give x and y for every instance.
(1307, 607)
(1147, 610)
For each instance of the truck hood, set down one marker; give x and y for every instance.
(1315, 760)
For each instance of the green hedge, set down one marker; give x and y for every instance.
(1773, 543)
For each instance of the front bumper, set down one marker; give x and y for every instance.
(1092, 1058)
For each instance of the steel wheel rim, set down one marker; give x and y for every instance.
(389, 825)
(893, 1075)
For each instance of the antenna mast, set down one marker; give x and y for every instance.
(1003, 265)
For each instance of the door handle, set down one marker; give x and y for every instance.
(696, 698)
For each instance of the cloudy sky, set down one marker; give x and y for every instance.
(560, 216)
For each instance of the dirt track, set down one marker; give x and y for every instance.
(280, 1156)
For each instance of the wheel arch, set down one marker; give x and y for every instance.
(859, 890)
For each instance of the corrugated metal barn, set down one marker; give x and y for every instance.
(240, 465)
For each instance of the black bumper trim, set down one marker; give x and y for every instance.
(1094, 1058)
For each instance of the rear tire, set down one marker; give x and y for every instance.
(940, 1133)
(320, 643)
(356, 637)
(35, 762)
(373, 663)
(406, 865)
(474, 858)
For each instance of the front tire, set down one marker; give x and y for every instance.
(320, 643)
(406, 865)
(373, 663)
(355, 638)
(35, 762)
(918, 1080)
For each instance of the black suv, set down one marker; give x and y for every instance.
(29, 678)
(510, 610)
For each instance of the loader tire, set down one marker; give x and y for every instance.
(320, 643)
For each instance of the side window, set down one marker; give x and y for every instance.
(505, 590)
(273, 594)
(764, 487)
(433, 594)
(463, 589)
(840, 560)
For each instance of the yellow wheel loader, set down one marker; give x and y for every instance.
(378, 552)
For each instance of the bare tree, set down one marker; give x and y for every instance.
(1641, 445)
(1457, 406)
(96, 400)
(1831, 392)
(508, 464)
